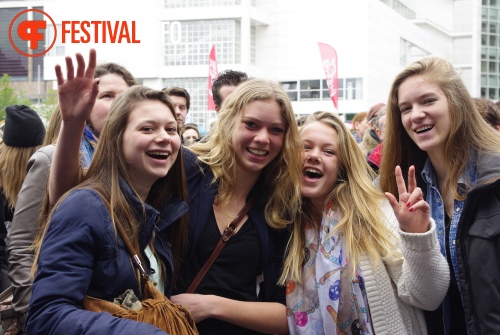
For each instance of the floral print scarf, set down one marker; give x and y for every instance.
(329, 300)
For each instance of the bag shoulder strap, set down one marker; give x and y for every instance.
(131, 250)
(226, 235)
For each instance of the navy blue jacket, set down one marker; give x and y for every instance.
(202, 193)
(81, 255)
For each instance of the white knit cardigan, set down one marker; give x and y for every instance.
(399, 289)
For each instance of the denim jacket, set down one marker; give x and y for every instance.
(479, 171)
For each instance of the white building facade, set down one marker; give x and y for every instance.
(278, 40)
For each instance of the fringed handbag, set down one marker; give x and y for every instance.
(156, 309)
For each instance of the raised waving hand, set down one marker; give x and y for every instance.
(77, 94)
(412, 211)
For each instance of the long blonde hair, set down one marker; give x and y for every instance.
(356, 199)
(13, 162)
(281, 176)
(469, 131)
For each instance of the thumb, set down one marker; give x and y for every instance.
(392, 200)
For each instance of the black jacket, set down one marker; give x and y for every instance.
(478, 250)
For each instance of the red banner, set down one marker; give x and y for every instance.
(329, 59)
(212, 75)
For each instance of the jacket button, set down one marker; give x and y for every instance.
(155, 283)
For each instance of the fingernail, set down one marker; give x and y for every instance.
(408, 204)
(411, 209)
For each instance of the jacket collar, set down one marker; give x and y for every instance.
(149, 216)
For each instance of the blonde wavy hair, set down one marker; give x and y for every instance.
(469, 132)
(13, 162)
(357, 200)
(281, 176)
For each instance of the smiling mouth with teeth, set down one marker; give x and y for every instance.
(258, 152)
(312, 173)
(423, 129)
(158, 154)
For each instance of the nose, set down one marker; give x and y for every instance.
(417, 112)
(262, 136)
(312, 155)
(164, 136)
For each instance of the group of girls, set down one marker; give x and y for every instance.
(321, 250)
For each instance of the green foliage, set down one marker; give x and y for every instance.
(47, 105)
(8, 96)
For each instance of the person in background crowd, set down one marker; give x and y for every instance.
(222, 87)
(190, 133)
(135, 181)
(359, 126)
(225, 84)
(354, 265)
(23, 135)
(370, 138)
(182, 102)
(432, 123)
(490, 111)
(254, 153)
(66, 159)
(375, 157)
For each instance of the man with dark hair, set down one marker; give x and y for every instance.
(181, 101)
(225, 84)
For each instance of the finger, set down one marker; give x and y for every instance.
(392, 200)
(92, 64)
(415, 196)
(400, 182)
(421, 205)
(69, 68)
(80, 70)
(412, 181)
(94, 91)
(59, 75)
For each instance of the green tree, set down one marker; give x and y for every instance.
(8, 96)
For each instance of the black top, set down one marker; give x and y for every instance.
(241, 254)
(434, 319)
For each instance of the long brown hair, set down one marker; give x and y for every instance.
(109, 165)
(469, 132)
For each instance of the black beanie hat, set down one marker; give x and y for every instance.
(23, 127)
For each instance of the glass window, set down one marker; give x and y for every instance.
(190, 42)
(493, 67)
(291, 89)
(198, 90)
(493, 41)
(491, 94)
(200, 3)
(484, 66)
(310, 90)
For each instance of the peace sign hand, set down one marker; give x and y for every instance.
(412, 211)
(77, 94)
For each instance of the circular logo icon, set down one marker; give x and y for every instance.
(29, 31)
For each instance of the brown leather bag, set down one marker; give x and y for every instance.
(156, 310)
